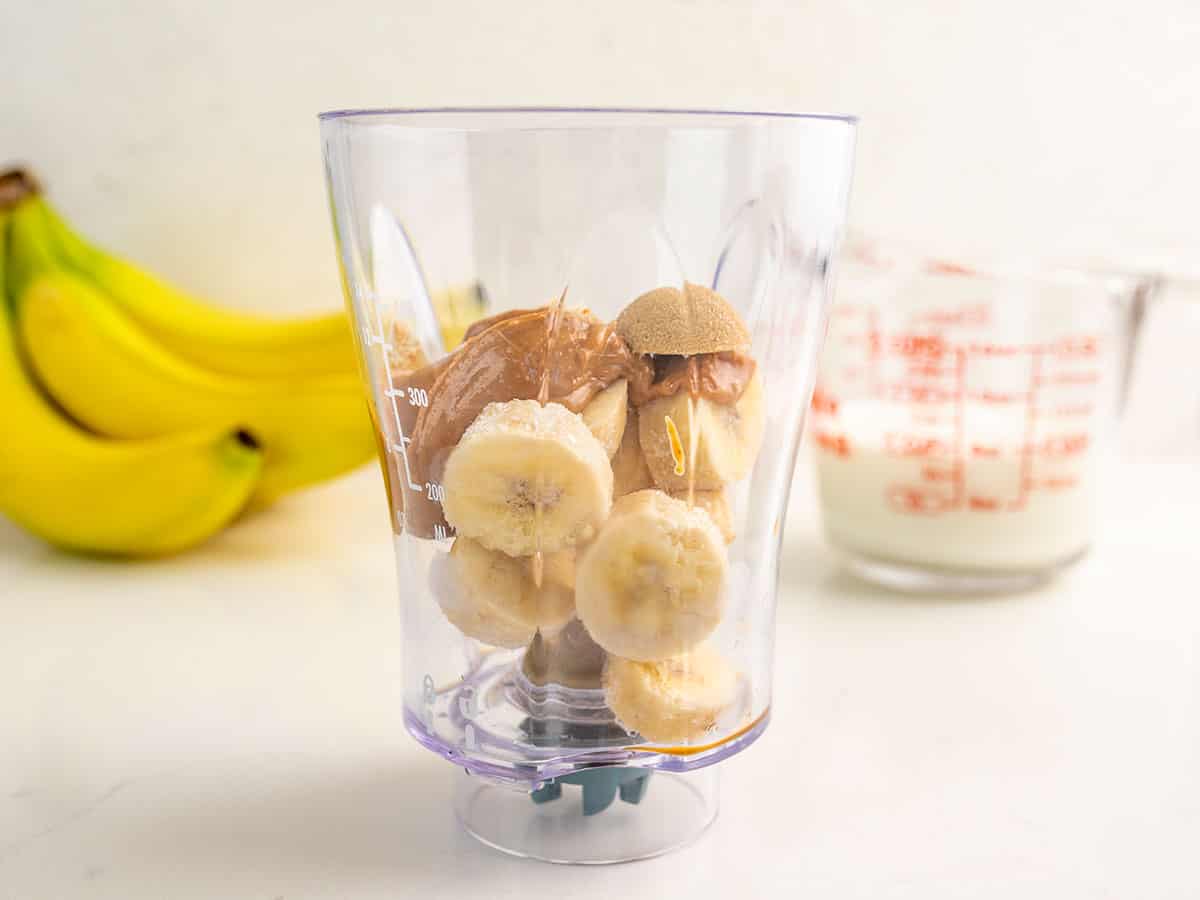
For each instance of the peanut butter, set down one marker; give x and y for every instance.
(531, 354)
(515, 355)
(718, 377)
(511, 357)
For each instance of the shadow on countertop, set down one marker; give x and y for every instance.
(810, 572)
(390, 824)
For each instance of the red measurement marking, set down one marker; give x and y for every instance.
(1035, 371)
(1058, 484)
(1084, 345)
(979, 348)
(912, 446)
(1064, 445)
(928, 370)
(944, 267)
(875, 351)
(824, 403)
(983, 504)
(996, 398)
(837, 444)
(1082, 409)
(933, 473)
(908, 499)
(985, 451)
(973, 316)
(929, 345)
(921, 393)
(1069, 378)
(960, 411)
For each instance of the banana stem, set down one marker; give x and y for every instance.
(28, 249)
(16, 185)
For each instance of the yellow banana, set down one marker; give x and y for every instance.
(456, 309)
(224, 341)
(129, 498)
(112, 377)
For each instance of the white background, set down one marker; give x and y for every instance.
(184, 133)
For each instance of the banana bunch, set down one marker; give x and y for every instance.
(140, 421)
(456, 309)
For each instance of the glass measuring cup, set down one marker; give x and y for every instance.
(961, 417)
(587, 493)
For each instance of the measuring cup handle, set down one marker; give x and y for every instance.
(1136, 302)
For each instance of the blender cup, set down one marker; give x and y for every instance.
(588, 492)
(961, 417)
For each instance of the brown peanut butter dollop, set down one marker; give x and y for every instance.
(718, 377)
(557, 355)
(521, 355)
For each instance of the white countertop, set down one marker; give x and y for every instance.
(227, 725)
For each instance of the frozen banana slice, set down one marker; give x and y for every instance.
(716, 504)
(725, 447)
(671, 701)
(555, 568)
(630, 472)
(527, 477)
(605, 415)
(491, 597)
(652, 583)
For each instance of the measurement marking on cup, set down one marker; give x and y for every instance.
(1035, 379)
(379, 340)
(428, 697)
(960, 431)
(467, 704)
(985, 424)
(434, 491)
(400, 446)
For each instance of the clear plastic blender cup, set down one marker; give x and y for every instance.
(588, 492)
(961, 418)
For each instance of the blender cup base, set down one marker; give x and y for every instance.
(567, 820)
(913, 578)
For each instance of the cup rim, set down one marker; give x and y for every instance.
(631, 111)
(907, 262)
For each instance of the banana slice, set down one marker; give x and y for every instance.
(570, 658)
(605, 415)
(725, 447)
(490, 596)
(630, 472)
(672, 701)
(527, 477)
(556, 568)
(716, 504)
(652, 583)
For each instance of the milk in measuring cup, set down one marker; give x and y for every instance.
(975, 496)
(957, 427)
